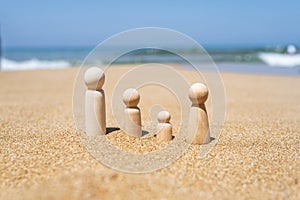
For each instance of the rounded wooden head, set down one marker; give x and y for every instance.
(94, 78)
(163, 117)
(131, 97)
(198, 93)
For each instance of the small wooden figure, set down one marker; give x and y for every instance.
(164, 127)
(132, 114)
(198, 126)
(95, 115)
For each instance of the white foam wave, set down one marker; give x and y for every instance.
(7, 64)
(280, 60)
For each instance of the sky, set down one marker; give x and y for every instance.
(35, 23)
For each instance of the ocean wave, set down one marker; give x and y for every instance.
(280, 60)
(7, 64)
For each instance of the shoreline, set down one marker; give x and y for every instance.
(223, 67)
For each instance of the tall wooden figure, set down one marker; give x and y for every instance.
(198, 126)
(132, 114)
(95, 115)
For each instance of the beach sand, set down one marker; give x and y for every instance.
(42, 156)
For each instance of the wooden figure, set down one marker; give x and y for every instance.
(164, 127)
(132, 114)
(95, 115)
(198, 126)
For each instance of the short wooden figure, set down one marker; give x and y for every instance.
(164, 127)
(132, 114)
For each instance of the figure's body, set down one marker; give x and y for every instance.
(198, 125)
(95, 115)
(164, 127)
(132, 114)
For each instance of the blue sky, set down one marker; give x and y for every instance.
(68, 23)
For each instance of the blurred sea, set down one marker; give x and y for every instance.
(266, 60)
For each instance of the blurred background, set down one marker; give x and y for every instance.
(254, 36)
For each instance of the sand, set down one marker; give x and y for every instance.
(42, 156)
